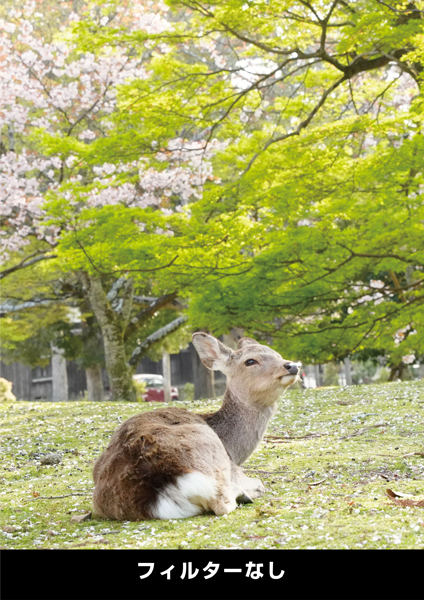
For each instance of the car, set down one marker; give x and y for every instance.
(154, 388)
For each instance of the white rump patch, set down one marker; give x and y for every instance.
(190, 496)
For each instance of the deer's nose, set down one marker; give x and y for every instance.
(291, 368)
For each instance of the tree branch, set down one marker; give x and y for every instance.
(143, 316)
(22, 264)
(157, 336)
(6, 308)
(302, 125)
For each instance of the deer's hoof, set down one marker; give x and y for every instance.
(244, 498)
(258, 489)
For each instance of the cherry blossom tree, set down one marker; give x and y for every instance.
(157, 154)
(62, 170)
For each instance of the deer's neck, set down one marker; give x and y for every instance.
(240, 425)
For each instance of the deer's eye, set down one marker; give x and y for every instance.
(250, 361)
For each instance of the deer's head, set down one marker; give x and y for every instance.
(254, 372)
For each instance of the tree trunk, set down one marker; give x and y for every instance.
(120, 377)
(204, 381)
(166, 369)
(94, 383)
(396, 371)
(112, 325)
(60, 376)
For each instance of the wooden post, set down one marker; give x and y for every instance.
(60, 376)
(166, 368)
(94, 383)
(348, 370)
(318, 376)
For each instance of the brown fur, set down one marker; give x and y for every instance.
(135, 466)
(150, 451)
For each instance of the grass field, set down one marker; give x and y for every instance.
(327, 462)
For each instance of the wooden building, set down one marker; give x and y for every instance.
(37, 383)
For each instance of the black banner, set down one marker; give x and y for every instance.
(211, 574)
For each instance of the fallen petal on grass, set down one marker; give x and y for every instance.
(81, 518)
(38, 501)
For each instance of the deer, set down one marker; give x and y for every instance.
(171, 463)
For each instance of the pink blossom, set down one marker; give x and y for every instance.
(408, 359)
(44, 84)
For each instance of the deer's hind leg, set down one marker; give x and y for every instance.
(205, 485)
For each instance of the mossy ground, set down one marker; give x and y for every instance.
(349, 509)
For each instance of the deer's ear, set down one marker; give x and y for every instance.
(247, 341)
(213, 353)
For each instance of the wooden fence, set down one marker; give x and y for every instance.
(37, 383)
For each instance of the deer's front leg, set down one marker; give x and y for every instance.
(252, 487)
